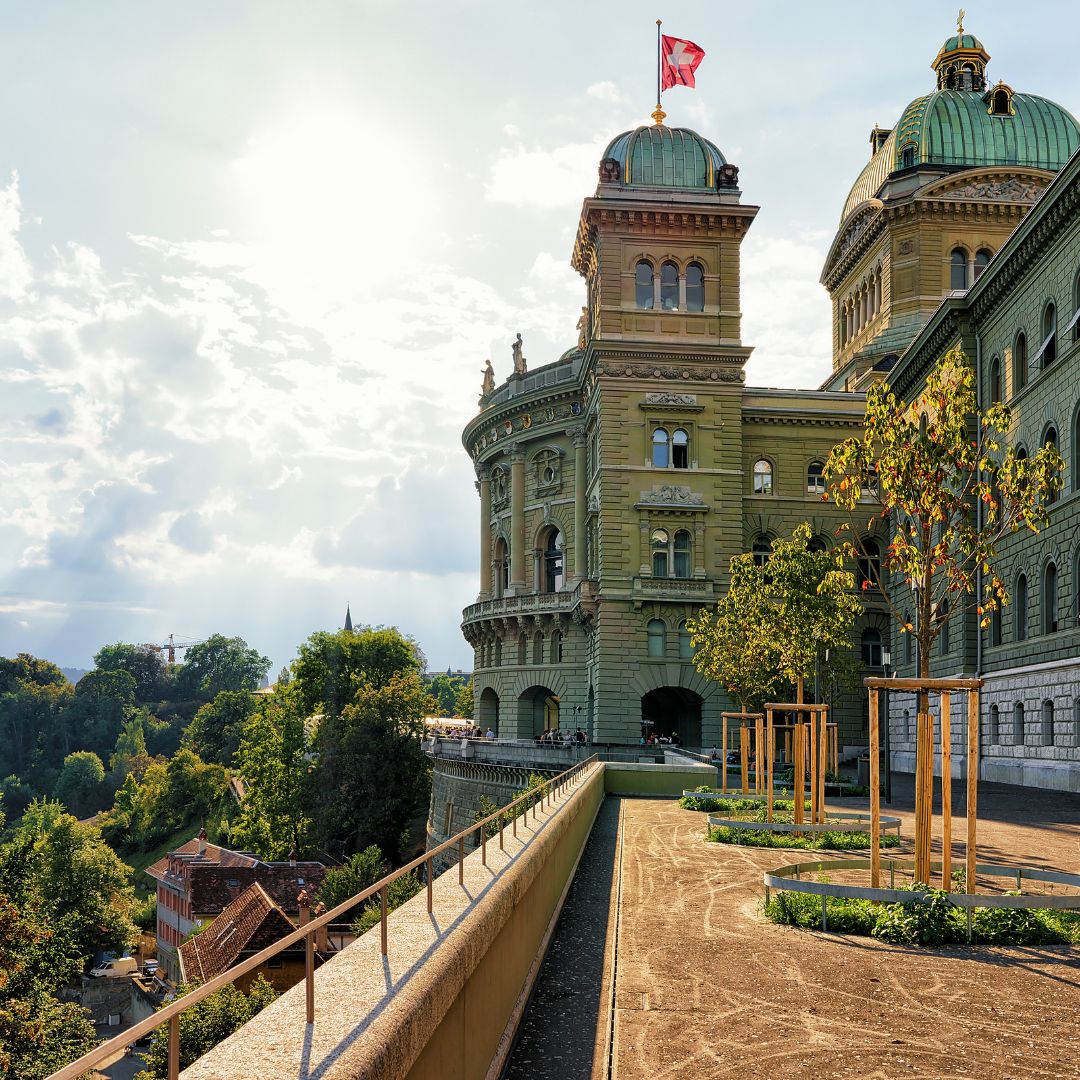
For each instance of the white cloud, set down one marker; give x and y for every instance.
(606, 91)
(15, 272)
(535, 177)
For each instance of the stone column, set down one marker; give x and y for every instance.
(483, 474)
(517, 521)
(580, 568)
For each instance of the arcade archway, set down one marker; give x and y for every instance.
(538, 711)
(487, 710)
(672, 711)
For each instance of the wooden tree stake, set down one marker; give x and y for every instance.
(723, 756)
(813, 768)
(744, 755)
(972, 783)
(946, 793)
(799, 773)
(770, 755)
(875, 796)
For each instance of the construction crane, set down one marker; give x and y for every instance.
(171, 647)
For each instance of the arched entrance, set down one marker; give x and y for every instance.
(487, 711)
(538, 711)
(672, 710)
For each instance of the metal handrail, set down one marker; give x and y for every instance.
(546, 792)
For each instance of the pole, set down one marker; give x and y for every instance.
(659, 114)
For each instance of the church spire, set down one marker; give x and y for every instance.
(348, 619)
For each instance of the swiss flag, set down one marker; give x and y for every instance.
(679, 61)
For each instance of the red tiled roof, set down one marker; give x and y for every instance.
(247, 925)
(213, 855)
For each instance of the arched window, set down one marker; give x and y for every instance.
(538, 647)
(669, 287)
(680, 449)
(643, 285)
(522, 649)
(995, 724)
(682, 554)
(995, 380)
(657, 633)
(1051, 439)
(1046, 727)
(817, 545)
(496, 659)
(553, 561)
(995, 626)
(1020, 608)
(871, 647)
(958, 269)
(1048, 348)
(660, 445)
(556, 647)
(502, 567)
(685, 650)
(815, 478)
(762, 477)
(943, 637)
(1020, 361)
(1000, 103)
(762, 549)
(1050, 599)
(1018, 724)
(660, 541)
(982, 257)
(907, 157)
(695, 288)
(869, 563)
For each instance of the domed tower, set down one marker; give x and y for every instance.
(943, 189)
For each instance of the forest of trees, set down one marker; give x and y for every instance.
(328, 763)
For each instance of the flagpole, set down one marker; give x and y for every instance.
(659, 114)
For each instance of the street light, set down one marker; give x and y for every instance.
(886, 663)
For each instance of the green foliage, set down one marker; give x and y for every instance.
(206, 1023)
(373, 778)
(832, 840)
(15, 796)
(331, 668)
(922, 467)
(142, 663)
(804, 910)
(359, 872)
(81, 783)
(1018, 926)
(218, 726)
(935, 921)
(274, 760)
(774, 620)
(464, 704)
(445, 690)
(220, 663)
(397, 892)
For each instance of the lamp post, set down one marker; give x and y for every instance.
(886, 663)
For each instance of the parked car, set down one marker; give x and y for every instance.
(150, 967)
(115, 968)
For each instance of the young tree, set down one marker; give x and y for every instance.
(215, 732)
(81, 783)
(445, 689)
(373, 777)
(359, 872)
(936, 471)
(776, 620)
(221, 663)
(274, 760)
(464, 704)
(143, 663)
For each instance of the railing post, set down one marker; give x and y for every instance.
(483, 845)
(502, 827)
(430, 869)
(382, 910)
(461, 859)
(304, 903)
(174, 1047)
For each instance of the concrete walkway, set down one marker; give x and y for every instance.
(705, 987)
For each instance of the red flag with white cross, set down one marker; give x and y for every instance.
(679, 60)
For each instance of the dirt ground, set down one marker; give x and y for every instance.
(706, 987)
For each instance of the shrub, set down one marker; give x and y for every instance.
(1016, 926)
(804, 910)
(935, 921)
(832, 841)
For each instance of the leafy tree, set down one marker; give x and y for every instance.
(25, 668)
(215, 732)
(129, 752)
(103, 699)
(62, 868)
(81, 784)
(923, 467)
(397, 892)
(206, 1023)
(359, 872)
(373, 776)
(273, 762)
(15, 796)
(464, 704)
(332, 667)
(38, 1034)
(143, 663)
(445, 690)
(222, 663)
(34, 734)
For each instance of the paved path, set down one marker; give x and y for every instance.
(705, 987)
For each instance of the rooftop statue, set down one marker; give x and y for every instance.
(488, 384)
(519, 360)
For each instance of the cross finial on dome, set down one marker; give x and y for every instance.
(960, 21)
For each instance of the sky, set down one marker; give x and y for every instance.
(253, 257)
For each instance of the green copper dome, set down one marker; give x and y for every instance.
(660, 156)
(957, 127)
(961, 42)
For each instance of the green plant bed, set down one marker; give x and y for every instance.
(831, 840)
(937, 922)
(716, 803)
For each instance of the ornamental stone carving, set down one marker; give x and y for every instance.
(672, 495)
(1011, 190)
(667, 397)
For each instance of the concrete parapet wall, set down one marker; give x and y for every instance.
(444, 1002)
(625, 778)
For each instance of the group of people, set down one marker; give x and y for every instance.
(659, 740)
(555, 737)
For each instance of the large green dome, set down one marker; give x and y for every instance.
(661, 156)
(957, 127)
